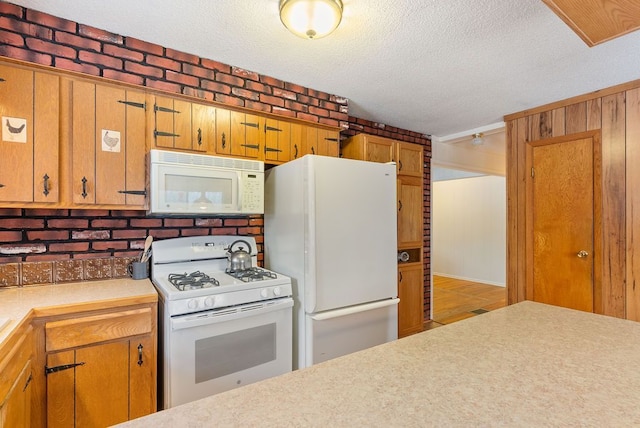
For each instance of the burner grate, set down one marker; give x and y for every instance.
(191, 281)
(252, 274)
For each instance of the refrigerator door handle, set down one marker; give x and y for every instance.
(353, 310)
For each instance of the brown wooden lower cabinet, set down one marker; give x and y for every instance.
(410, 292)
(100, 368)
(16, 374)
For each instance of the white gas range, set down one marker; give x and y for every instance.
(219, 329)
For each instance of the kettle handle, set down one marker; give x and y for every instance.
(242, 242)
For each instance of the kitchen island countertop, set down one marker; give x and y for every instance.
(528, 364)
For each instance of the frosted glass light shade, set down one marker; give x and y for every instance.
(311, 19)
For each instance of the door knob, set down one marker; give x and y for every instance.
(582, 254)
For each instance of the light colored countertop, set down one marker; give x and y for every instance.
(528, 364)
(19, 304)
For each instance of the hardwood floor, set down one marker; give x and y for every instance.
(456, 299)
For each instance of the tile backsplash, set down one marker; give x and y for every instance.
(42, 273)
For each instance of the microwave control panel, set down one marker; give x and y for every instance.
(252, 192)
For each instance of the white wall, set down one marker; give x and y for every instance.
(469, 229)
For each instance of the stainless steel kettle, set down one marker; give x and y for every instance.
(240, 259)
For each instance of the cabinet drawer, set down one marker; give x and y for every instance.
(76, 332)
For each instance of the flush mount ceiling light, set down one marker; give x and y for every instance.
(478, 139)
(311, 19)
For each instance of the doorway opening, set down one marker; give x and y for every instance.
(468, 244)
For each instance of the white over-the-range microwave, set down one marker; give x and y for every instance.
(192, 184)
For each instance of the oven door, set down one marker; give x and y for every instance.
(215, 351)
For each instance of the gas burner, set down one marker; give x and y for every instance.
(193, 280)
(251, 274)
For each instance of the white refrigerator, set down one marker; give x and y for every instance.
(330, 225)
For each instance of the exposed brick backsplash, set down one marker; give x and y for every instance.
(48, 40)
(28, 235)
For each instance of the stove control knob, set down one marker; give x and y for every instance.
(276, 291)
(264, 293)
(192, 304)
(208, 301)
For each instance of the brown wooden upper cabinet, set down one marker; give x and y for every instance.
(277, 143)
(30, 135)
(408, 156)
(239, 134)
(107, 145)
(180, 124)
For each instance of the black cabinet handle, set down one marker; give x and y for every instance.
(399, 165)
(399, 205)
(295, 155)
(224, 140)
(140, 347)
(46, 184)
(199, 136)
(313, 151)
(84, 187)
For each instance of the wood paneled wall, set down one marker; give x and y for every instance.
(615, 113)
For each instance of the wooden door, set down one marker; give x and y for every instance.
(182, 125)
(46, 138)
(309, 140)
(238, 134)
(378, 149)
(409, 158)
(223, 132)
(411, 295)
(94, 393)
(564, 190)
(142, 375)
(410, 207)
(16, 146)
(328, 142)
(110, 143)
(203, 120)
(15, 411)
(296, 140)
(163, 132)
(83, 137)
(277, 143)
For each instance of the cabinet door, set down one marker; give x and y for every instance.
(411, 294)
(16, 150)
(296, 140)
(309, 140)
(203, 123)
(142, 375)
(247, 137)
(163, 117)
(328, 142)
(378, 149)
(277, 143)
(16, 409)
(83, 142)
(410, 207)
(182, 125)
(77, 396)
(108, 145)
(409, 158)
(46, 138)
(30, 138)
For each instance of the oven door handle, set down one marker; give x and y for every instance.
(354, 310)
(213, 317)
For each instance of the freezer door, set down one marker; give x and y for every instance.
(351, 233)
(343, 331)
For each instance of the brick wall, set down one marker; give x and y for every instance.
(46, 235)
(40, 38)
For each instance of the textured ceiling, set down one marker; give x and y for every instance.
(431, 66)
